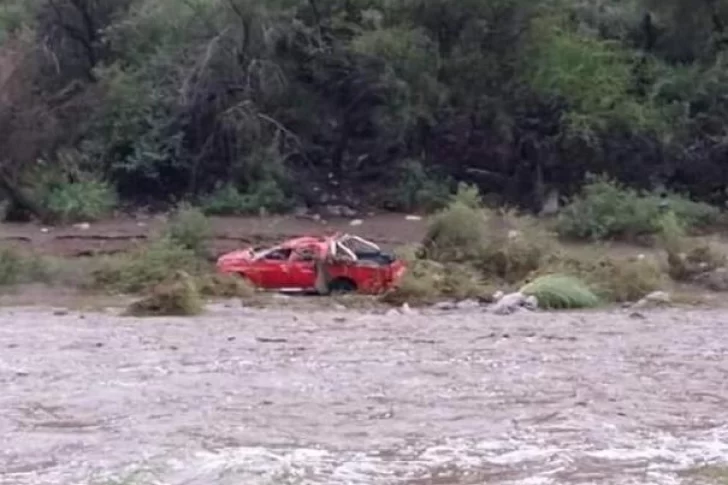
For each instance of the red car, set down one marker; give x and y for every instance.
(350, 263)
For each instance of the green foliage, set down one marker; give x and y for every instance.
(606, 210)
(416, 189)
(594, 75)
(229, 201)
(80, 201)
(256, 103)
(146, 267)
(190, 229)
(613, 279)
(561, 292)
(456, 233)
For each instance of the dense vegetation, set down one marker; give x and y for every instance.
(240, 105)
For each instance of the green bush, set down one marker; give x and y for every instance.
(80, 201)
(229, 201)
(416, 189)
(612, 279)
(457, 233)
(189, 228)
(606, 210)
(146, 267)
(561, 292)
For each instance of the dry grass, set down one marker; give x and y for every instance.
(615, 279)
(427, 282)
(178, 296)
(225, 286)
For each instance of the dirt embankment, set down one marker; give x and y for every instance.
(229, 233)
(283, 396)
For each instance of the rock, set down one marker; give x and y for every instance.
(413, 218)
(356, 222)
(445, 305)
(406, 309)
(656, 298)
(335, 210)
(44, 230)
(498, 295)
(551, 203)
(531, 303)
(716, 280)
(467, 304)
(300, 211)
(84, 226)
(509, 304)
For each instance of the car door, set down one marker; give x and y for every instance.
(273, 268)
(302, 268)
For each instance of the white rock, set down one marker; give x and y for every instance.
(406, 309)
(658, 297)
(509, 304)
(469, 304)
(413, 218)
(84, 226)
(531, 303)
(44, 230)
(356, 222)
(498, 295)
(444, 305)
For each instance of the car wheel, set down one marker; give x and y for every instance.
(342, 285)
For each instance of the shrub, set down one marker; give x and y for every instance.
(561, 292)
(607, 210)
(416, 189)
(612, 279)
(229, 201)
(224, 286)
(418, 286)
(149, 265)
(427, 282)
(80, 201)
(190, 229)
(456, 233)
(17, 267)
(515, 247)
(177, 296)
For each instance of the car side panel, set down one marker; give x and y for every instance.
(302, 274)
(369, 279)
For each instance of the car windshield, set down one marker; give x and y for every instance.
(277, 254)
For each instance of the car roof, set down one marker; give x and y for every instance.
(302, 241)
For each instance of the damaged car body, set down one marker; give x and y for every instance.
(342, 263)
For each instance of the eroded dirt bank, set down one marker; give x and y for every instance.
(276, 396)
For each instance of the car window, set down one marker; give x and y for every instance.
(307, 253)
(278, 255)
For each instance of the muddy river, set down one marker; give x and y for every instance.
(283, 396)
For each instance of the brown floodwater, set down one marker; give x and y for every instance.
(289, 396)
